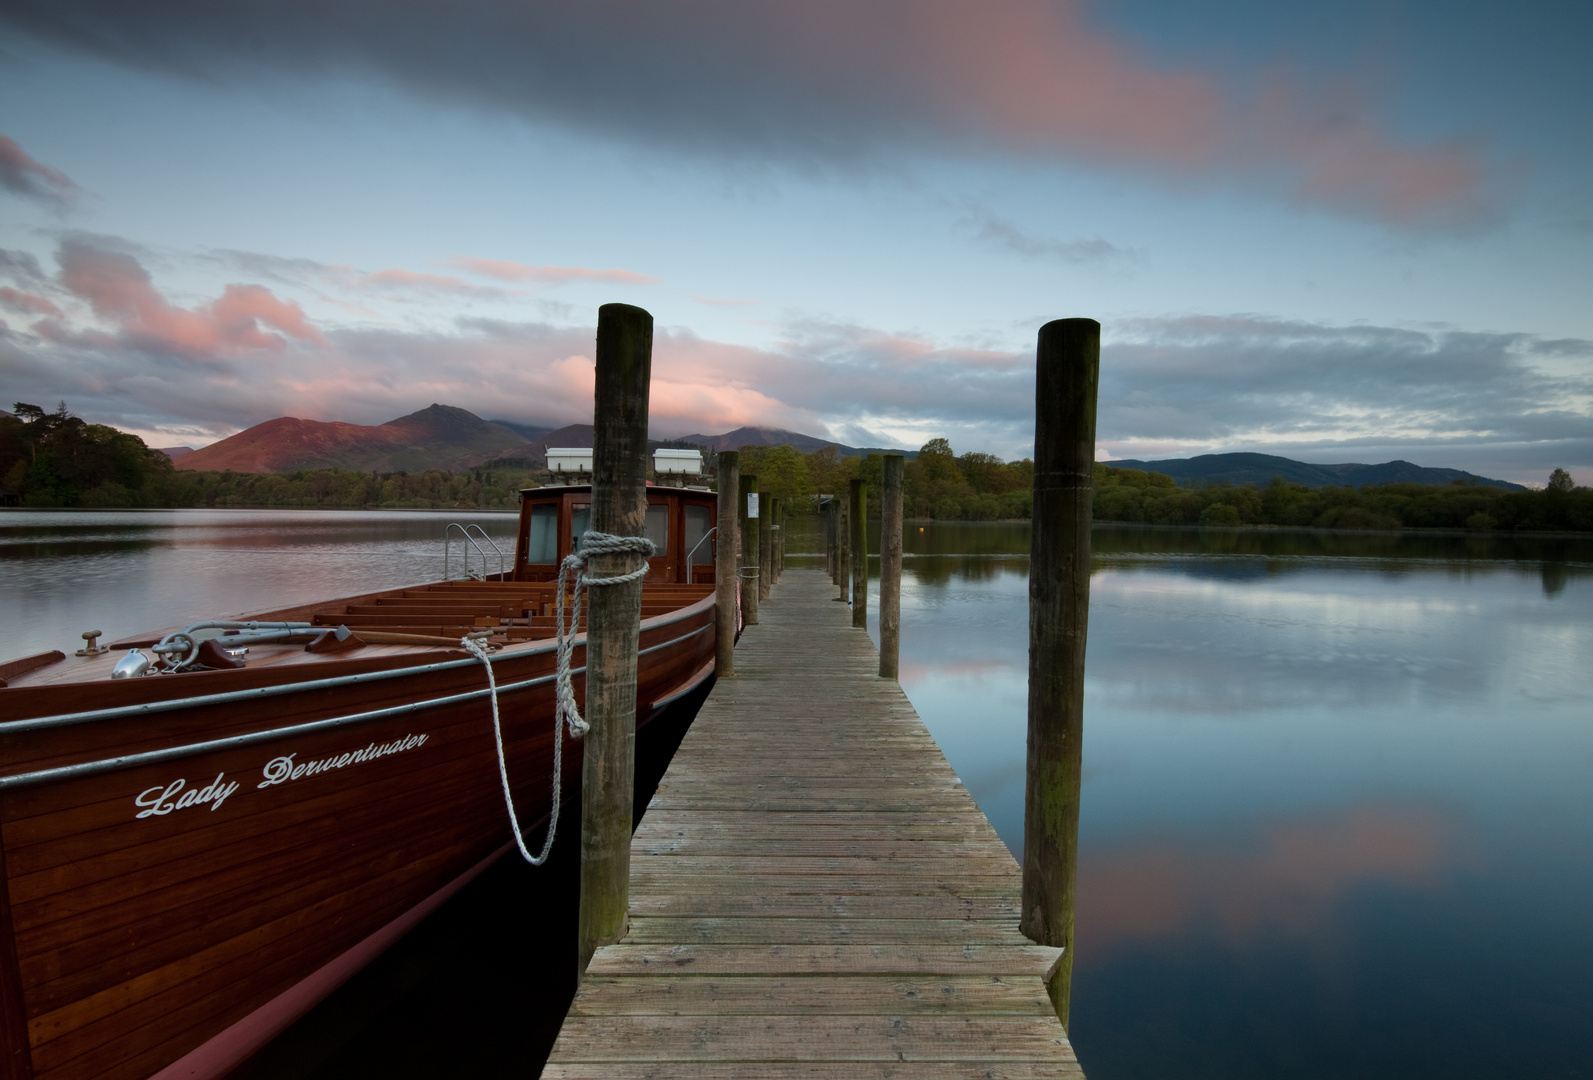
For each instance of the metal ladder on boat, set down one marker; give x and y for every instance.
(464, 532)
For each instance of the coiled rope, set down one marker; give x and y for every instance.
(565, 711)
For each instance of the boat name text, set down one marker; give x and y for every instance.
(279, 770)
(163, 799)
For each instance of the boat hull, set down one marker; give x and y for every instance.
(257, 840)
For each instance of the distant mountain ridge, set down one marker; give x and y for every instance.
(757, 436)
(1243, 468)
(437, 437)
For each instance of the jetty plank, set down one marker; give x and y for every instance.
(813, 891)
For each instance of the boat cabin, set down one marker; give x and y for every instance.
(681, 523)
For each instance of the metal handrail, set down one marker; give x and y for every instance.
(503, 567)
(693, 551)
(465, 532)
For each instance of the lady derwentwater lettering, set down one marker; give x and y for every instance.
(162, 799)
(279, 770)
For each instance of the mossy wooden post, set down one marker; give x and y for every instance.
(843, 549)
(1068, 368)
(765, 544)
(857, 510)
(749, 550)
(890, 568)
(614, 617)
(726, 540)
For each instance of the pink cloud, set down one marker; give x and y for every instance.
(1030, 76)
(435, 283)
(120, 291)
(22, 175)
(500, 270)
(27, 303)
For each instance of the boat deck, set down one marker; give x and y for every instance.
(813, 891)
(415, 619)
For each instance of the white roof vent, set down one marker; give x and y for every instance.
(570, 459)
(677, 462)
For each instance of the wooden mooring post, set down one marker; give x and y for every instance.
(726, 541)
(890, 568)
(843, 549)
(614, 616)
(1067, 373)
(748, 573)
(765, 544)
(857, 510)
(832, 540)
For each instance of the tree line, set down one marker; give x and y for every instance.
(54, 459)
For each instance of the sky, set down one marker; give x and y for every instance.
(1346, 231)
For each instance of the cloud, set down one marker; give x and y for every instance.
(1003, 234)
(26, 303)
(823, 83)
(547, 275)
(1510, 405)
(22, 175)
(121, 294)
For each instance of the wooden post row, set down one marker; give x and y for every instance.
(890, 568)
(749, 550)
(858, 511)
(1067, 372)
(726, 542)
(614, 617)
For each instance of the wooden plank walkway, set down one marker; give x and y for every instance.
(813, 892)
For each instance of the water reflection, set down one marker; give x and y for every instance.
(123, 572)
(1281, 878)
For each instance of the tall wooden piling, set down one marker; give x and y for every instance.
(776, 538)
(832, 553)
(843, 548)
(749, 550)
(890, 568)
(614, 616)
(857, 509)
(1068, 370)
(765, 544)
(726, 541)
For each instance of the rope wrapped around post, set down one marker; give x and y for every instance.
(566, 713)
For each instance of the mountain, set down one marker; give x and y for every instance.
(438, 437)
(1261, 468)
(175, 452)
(756, 436)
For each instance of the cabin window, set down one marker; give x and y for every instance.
(697, 528)
(580, 522)
(542, 540)
(657, 529)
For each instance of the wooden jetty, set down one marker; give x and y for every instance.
(813, 891)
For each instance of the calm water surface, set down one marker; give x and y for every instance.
(1338, 790)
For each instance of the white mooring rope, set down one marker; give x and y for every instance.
(565, 712)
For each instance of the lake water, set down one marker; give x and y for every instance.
(1338, 790)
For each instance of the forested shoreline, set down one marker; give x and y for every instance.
(56, 460)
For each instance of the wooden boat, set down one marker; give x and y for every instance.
(191, 860)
